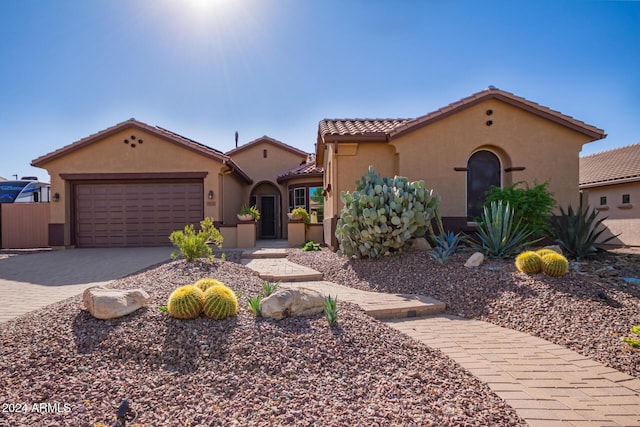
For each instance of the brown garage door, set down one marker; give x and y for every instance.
(134, 213)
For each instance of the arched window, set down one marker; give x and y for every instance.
(483, 171)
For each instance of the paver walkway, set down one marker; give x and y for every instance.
(547, 384)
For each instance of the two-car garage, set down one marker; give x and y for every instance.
(134, 213)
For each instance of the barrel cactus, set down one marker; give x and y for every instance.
(544, 251)
(206, 283)
(555, 265)
(529, 262)
(185, 302)
(383, 214)
(220, 302)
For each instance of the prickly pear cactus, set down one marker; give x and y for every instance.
(220, 302)
(206, 283)
(529, 262)
(185, 302)
(383, 214)
(555, 265)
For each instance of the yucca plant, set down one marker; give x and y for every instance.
(499, 236)
(576, 232)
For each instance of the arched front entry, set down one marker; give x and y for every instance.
(483, 171)
(266, 196)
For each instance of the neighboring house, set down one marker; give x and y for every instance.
(490, 138)
(133, 184)
(610, 183)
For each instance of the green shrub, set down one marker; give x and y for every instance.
(529, 262)
(531, 206)
(194, 245)
(269, 287)
(383, 214)
(310, 245)
(250, 210)
(498, 234)
(254, 305)
(575, 231)
(303, 215)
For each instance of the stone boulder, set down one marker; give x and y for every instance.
(474, 260)
(292, 302)
(104, 303)
(420, 244)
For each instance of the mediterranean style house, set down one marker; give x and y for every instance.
(610, 183)
(133, 184)
(490, 138)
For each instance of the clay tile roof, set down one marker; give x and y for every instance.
(268, 140)
(392, 128)
(353, 127)
(611, 167)
(306, 169)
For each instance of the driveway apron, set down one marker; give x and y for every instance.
(32, 281)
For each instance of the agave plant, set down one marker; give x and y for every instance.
(446, 244)
(575, 231)
(499, 235)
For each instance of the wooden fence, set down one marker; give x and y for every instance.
(24, 225)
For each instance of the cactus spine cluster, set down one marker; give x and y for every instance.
(383, 214)
(185, 302)
(220, 302)
(206, 283)
(555, 265)
(529, 262)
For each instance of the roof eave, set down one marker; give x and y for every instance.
(289, 177)
(609, 182)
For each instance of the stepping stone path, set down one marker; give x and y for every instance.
(271, 264)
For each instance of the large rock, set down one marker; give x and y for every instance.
(420, 244)
(104, 303)
(474, 260)
(292, 302)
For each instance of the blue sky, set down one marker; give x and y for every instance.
(206, 68)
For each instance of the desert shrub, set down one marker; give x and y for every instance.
(194, 245)
(500, 236)
(310, 245)
(531, 206)
(576, 232)
(383, 214)
(445, 242)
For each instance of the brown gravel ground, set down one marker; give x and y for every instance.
(239, 372)
(588, 310)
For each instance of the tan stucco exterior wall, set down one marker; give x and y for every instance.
(265, 170)
(547, 151)
(112, 155)
(623, 219)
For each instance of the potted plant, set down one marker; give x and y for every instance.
(249, 213)
(300, 214)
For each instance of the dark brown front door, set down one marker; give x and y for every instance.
(134, 213)
(268, 217)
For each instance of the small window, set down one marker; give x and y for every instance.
(264, 153)
(626, 199)
(603, 200)
(300, 198)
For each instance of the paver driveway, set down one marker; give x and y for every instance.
(32, 281)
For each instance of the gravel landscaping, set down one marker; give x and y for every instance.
(255, 372)
(588, 310)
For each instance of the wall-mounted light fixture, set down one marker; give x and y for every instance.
(210, 195)
(56, 197)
